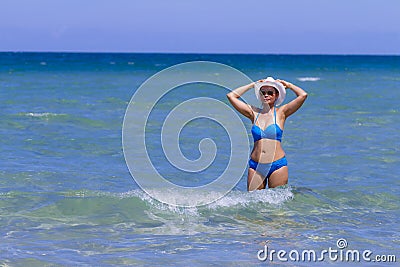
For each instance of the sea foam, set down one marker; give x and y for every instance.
(44, 114)
(308, 79)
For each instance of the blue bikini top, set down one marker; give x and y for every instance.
(273, 131)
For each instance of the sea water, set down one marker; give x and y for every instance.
(67, 197)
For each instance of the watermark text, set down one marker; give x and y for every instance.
(337, 254)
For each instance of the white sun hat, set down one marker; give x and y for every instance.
(271, 82)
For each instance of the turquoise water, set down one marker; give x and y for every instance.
(67, 197)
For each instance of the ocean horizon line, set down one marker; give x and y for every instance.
(195, 53)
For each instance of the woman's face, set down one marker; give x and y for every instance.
(268, 94)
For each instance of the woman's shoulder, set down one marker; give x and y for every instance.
(254, 110)
(281, 108)
(281, 111)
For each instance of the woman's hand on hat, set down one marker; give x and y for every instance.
(284, 83)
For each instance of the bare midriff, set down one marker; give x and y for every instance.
(267, 151)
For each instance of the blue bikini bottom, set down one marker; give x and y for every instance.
(266, 169)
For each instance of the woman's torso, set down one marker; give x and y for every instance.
(267, 132)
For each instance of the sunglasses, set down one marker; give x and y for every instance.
(265, 92)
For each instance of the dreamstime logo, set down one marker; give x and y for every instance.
(137, 119)
(309, 255)
(341, 243)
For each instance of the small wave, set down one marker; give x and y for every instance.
(308, 79)
(139, 212)
(65, 118)
(43, 115)
(233, 200)
(246, 199)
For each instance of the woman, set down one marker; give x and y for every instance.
(267, 160)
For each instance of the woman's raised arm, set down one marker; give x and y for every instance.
(239, 105)
(296, 103)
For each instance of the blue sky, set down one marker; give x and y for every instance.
(203, 26)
